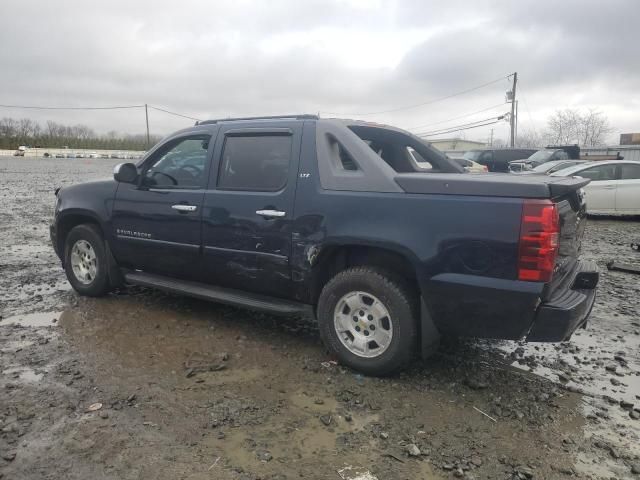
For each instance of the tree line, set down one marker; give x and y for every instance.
(586, 128)
(24, 131)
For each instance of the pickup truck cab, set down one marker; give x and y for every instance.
(337, 219)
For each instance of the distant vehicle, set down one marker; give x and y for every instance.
(471, 166)
(498, 160)
(59, 155)
(79, 155)
(336, 218)
(114, 155)
(20, 151)
(71, 155)
(104, 155)
(551, 167)
(614, 187)
(94, 155)
(538, 158)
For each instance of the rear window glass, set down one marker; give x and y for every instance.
(256, 163)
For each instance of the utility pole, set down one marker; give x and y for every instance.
(512, 118)
(146, 114)
(491, 139)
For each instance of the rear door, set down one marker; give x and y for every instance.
(157, 222)
(628, 189)
(248, 207)
(601, 192)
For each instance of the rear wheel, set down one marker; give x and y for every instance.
(367, 318)
(85, 261)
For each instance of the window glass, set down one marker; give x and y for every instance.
(630, 171)
(259, 163)
(419, 159)
(180, 165)
(601, 172)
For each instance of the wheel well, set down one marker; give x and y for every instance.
(335, 259)
(68, 223)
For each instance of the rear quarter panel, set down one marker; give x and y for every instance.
(463, 248)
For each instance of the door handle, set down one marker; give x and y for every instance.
(184, 208)
(271, 213)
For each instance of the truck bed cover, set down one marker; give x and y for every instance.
(491, 185)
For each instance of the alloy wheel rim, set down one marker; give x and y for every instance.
(363, 324)
(84, 262)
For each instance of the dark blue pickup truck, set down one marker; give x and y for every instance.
(383, 239)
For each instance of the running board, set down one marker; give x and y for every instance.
(228, 296)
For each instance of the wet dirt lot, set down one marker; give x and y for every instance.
(141, 384)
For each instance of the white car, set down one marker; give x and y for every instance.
(614, 187)
(470, 166)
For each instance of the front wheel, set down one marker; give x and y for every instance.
(85, 261)
(367, 318)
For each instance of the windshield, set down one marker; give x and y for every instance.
(541, 155)
(472, 155)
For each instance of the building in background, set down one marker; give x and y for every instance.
(455, 144)
(630, 139)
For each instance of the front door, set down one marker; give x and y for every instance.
(157, 222)
(248, 207)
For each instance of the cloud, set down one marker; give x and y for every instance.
(225, 58)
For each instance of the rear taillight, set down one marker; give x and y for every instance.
(539, 236)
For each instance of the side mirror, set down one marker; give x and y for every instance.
(125, 173)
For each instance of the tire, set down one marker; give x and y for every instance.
(362, 285)
(95, 281)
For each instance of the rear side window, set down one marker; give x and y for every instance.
(630, 172)
(344, 158)
(257, 163)
(601, 172)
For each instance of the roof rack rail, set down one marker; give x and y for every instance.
(305, 116)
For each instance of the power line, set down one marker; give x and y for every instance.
(461, 126)
(456, 118)
(458, 129)
(174, 113)
(428, 102)
(33, 107)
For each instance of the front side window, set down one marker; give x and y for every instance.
(180, 165)
(258, 163)
(630, 172)
(599, 173)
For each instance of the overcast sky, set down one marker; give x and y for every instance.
(210, 59)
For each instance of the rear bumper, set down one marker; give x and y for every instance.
(557, 319)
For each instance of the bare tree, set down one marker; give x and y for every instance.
(594, 128)
(529, 139)
(571, 126)
(8, 127)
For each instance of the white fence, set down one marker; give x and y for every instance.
(77, 153)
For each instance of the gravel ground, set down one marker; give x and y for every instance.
(141, 384)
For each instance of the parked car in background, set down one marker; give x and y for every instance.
(59, 155)
(471, 166)
(614, 187)
(497, 160)
(551, 167)
(20, 151)
(537, 159)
